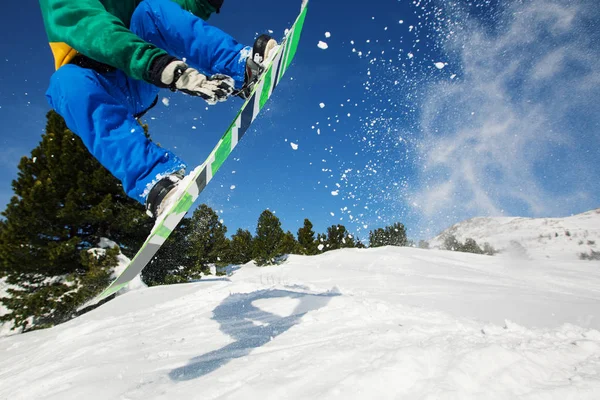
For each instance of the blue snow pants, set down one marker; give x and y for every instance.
(100, 107)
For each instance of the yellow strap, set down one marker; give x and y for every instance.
(63, 53)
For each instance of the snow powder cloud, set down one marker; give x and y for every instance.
(513, 133)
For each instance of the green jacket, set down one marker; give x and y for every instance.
(99, 29)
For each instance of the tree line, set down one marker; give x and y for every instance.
(201, 241)
(65, 203)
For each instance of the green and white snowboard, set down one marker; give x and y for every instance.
(199, 178)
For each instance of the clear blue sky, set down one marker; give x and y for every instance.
(433, 113)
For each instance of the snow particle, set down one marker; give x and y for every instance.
(327, 34)
(322, 45)
(322, 105)
(294, 145)
(440, 65)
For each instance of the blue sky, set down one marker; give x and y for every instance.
(434, 112)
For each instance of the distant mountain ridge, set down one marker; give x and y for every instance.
(534, 238)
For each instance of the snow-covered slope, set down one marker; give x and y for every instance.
(386, 323)
(535, 238)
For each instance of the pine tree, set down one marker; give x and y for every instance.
(64, 203)
(306, 239)
(360, 244)
(268, 237)
(338, 237)
(394, 235)
(240, 247)
(173, 257)
(207, 242)
(321, 243)
(3, 267)
(451, 243)
(471, 246)
(377, 238)
(348, 241)
(289, 244)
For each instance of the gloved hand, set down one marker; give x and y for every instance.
(177, 75)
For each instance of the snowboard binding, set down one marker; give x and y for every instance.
(255, 64)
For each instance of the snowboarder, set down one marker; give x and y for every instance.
(113, 56)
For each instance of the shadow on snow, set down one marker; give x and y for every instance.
(238, 318)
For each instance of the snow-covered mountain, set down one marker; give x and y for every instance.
(535, 238)
(385, 323)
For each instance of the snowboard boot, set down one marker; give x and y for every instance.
(161, 192)
(264, 47)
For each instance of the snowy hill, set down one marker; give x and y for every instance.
(384, 323)
(535, 238)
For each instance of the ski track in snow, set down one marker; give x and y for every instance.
(381, 323)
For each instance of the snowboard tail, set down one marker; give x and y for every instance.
(202, 175)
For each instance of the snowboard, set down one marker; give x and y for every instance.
(197, 180)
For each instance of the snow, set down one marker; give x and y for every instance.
(322, 45)
(5, 328)
(349, 324)
(327, 34)
(294, 145)
(122, 263)
(440, 65)
(322, 105)
(107, 243)
(534, 238)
